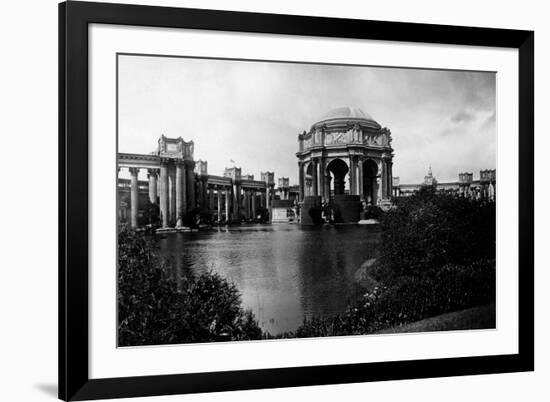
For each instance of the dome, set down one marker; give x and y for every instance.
(348, 114)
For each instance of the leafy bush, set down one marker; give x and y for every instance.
(410, 299)
(263, 214)
(152, 311)
(427, 231)
(373, 212)
(151, 215)
(196, 217)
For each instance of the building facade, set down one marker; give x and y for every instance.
(180, 185)
(346, 152)
(345, 160)
(466, 186)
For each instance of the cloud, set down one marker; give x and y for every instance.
(490, 122)
(463, 117)
(253, 111)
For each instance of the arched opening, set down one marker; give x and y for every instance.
(370, 190)
(337, 169)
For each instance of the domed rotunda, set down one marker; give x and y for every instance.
(345, 160)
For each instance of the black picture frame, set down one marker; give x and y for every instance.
(74, 381)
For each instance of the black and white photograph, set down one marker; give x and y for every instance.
(267, 200)
(275, 201)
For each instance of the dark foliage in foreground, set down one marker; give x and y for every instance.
(410, 299)
(152, 310)
(373, 212)
(151, 215)
(437, 256)
(427, 231)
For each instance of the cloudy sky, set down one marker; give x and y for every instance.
(251, 112)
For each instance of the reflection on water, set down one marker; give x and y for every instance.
(284, 271)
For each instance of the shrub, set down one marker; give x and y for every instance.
(263, 214)
(197, 216)
(151, 215)
(427, 231)
(410, 299)
(152, 310)
(373, 212)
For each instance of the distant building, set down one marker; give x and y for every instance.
(181, 186)
(465, 186)
(429, 179)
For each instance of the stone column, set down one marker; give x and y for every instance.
(390, 177)
(134, 196)
(383, 179)
(321, 178)
(314, 181)
(211, 200)
(268, 191)
(352, 189)
(218, 189)
(247, 203)
(250, 200)
(184, 190)
(360, 181)
(244, 203)
(357, 177)
(205, 192)
(227, 209)
(164, 193)
(172, 195)
(301, 175)
(199, 192)
(152, 176)
(190, 187)
(236, 201)
(180, 172)
(253, 204)
(202, 192)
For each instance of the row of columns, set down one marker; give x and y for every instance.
(320, 181)
(486, 191)
(237, 200)
(177, 190)
(175, 186)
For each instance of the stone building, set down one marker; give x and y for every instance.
(179, 185)
(466, 186)
(345, 160)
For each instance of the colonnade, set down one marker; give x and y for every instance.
(177, 190)
(483, 190)
(319, 181)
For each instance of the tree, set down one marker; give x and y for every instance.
(428, 230)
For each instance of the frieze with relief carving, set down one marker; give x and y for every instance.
(354, 135)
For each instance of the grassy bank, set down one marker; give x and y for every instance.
(482, 317)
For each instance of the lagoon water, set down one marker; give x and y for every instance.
(285, 272)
